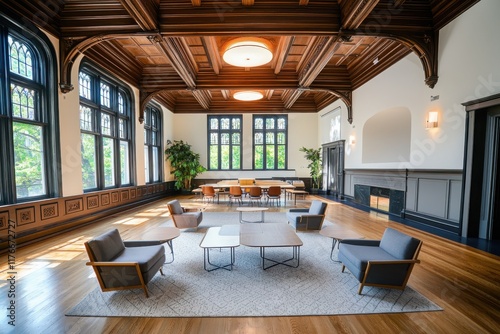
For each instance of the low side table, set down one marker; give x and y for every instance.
(163, 235)
(338, 234)
(295, 193)
(227, 236)
(252, 209)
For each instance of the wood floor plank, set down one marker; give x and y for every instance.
(52, 277)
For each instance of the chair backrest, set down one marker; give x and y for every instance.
(274, 191)
(317, 208)
(235, 190)
(208, 190)
(399, 245)
(255, 191)
(174, 207)
(105, 247)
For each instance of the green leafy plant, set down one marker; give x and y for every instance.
(314, 157)
(184, 162)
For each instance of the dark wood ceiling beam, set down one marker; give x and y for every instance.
(398, 3)
(179, 56)
(230, 18)
(303, 2)
(226, 94)
(203, 97)
(282, 52)
(247, 2)
(196, 3)
(318, 57)
(290, 96)
(144, 12)
(355, 12)
(210, 46)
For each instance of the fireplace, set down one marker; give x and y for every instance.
(379, 198)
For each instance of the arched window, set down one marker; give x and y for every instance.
(28, 118)
(152, 144)
(105, 130)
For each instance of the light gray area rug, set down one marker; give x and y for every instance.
(316, 287)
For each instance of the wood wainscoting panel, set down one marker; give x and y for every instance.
(49, 210)
(74, 205)
(4, 220)
(92, 201)
(105, 199)
(25, 215)
(115, 197)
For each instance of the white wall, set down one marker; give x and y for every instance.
(468, 69)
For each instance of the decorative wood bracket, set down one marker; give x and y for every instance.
(426, 48)
(70, 50)
(345, 96)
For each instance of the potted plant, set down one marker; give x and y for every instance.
(184, 162)
(314, 157)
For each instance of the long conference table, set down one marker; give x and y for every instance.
(245, 184)
(264, 184)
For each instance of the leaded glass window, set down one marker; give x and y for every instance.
(224, 138)
(105, 125)
(270, 142)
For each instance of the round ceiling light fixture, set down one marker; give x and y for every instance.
(247, 52)
(248, 95)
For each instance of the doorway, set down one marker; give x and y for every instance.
(481, 196)
(333, 168)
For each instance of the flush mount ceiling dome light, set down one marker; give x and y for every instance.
(247, 52)
(248, 95)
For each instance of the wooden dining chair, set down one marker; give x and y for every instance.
(274, 195)
(209, 194)
(255, 195)
(235, 194)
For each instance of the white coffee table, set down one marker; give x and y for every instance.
(252, 209)
(227, 236)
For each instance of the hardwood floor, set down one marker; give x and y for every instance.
(51, 277)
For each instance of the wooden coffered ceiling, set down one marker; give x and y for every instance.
(171, 49)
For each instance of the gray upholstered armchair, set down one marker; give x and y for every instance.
(183, 218)
(121, 265)
(384, 263)
(309, 219)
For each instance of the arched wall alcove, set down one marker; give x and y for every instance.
(387, 136)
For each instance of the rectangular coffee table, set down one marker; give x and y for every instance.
(272, 235)
(220, 237)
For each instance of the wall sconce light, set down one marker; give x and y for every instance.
(432, 120)
(352, 140)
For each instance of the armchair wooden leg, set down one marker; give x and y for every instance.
(161, 271)
(343, 268)
(145, 288)
(360, 288)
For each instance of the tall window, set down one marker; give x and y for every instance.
(105, 130)
(224, 142)
(152, 144)
(270, 133)
(27, 118)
